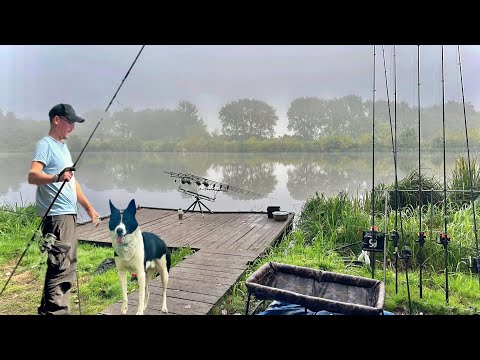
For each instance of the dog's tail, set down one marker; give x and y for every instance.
(169, 260)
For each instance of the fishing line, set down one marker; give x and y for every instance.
(36, 232)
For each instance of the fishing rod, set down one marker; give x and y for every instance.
(443, 237)
(373, 240)
(421, 234)
(72, 168)
(405, 253)
(475, 269)
(394, 233)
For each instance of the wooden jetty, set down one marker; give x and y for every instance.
(224, 245)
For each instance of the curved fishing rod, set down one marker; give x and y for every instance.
(477, 270)
(72, 168)
(444, 239)
(421, 234)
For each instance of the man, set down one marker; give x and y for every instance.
(49, 170)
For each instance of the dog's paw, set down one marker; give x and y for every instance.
(164, 309)
(124, 308)
(140, 312)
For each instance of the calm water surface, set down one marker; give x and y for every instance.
(284, 180)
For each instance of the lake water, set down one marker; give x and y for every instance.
(284, 180)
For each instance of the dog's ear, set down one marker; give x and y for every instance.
(112, 207)
(132, 207)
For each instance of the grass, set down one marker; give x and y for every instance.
(324, 238)
(23, 293)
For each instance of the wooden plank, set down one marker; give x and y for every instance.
(146, 216)
(267, 240)
(229, 259)
(211, 267)
(202, 229)
(215, 262)
(155, 308)
(230, 223)
(231, 229)
(264, 238)
(88, 231)
(182, 294)
(191, 274)
(214, 274)
(252, 238)
(218, 258)
(226, 243)
(182, 234)
(193, 233)
(115, 309)
(201, 279)
(205, 278)
(194, 286)
(247, 231)
(235, 252)
(175, 305)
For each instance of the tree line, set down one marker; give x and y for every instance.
(346, 122)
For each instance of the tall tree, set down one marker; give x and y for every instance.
(189, 120)
(305, 117)
(354, 112)
(123, 123)
(245, 118)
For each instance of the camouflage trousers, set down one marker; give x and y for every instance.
(61, 264)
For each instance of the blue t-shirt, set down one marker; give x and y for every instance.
(56, 157)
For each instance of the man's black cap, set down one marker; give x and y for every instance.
(65, 110)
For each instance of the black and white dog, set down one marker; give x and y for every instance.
(142, 253)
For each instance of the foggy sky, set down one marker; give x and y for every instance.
(34, 78)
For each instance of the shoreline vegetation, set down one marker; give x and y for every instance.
(327, 235)
(286, 144)
(248, 125)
